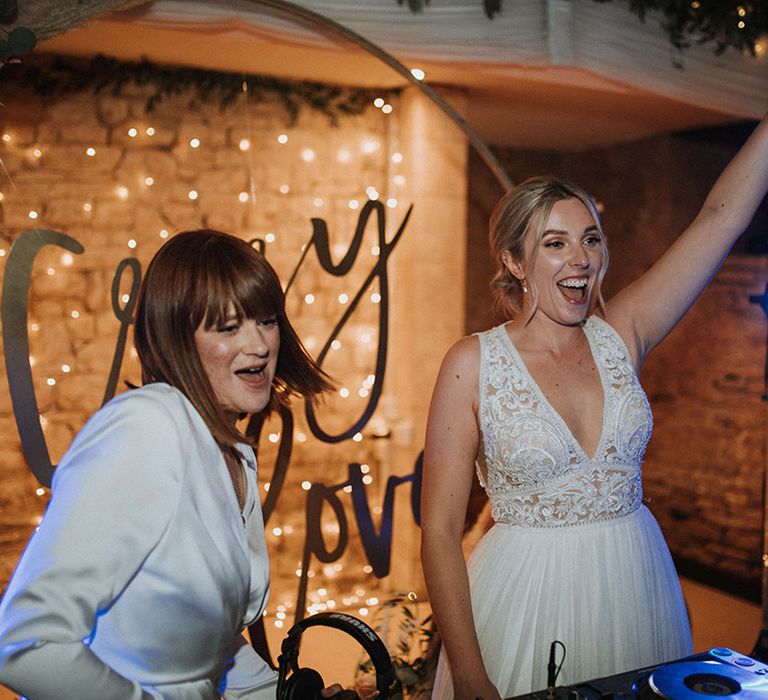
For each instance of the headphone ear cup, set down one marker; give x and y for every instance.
(304, 684)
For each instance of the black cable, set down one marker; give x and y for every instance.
(553, 671)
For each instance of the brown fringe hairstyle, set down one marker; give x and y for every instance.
(193, 279)
(522, 212)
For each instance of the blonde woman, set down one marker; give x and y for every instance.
(549, 410)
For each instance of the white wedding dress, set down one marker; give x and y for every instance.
(574, 555)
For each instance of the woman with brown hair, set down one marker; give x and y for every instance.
(151, 558)
(548, 409)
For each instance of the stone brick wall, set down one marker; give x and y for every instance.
(249, 171)
(704, 466)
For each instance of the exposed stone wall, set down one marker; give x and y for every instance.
(187, 166)
(703, 472)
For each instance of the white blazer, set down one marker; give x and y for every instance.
(142, 574)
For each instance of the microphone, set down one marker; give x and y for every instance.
(552, 670)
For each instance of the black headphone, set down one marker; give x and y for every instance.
(306, 683)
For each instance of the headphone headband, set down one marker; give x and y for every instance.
(368, 639)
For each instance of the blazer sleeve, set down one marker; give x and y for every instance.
(249, 676)
(113, 496)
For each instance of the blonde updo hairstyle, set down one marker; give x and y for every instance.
(522, 212)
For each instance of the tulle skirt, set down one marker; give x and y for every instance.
(608, 591)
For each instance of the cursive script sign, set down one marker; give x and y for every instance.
(377, 543)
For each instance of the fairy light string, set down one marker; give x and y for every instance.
(139, 135)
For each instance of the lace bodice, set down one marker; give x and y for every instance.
(535, 472)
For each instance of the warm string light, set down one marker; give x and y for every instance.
(308, 155)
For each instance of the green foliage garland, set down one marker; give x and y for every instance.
(60, 76)
(736, 24)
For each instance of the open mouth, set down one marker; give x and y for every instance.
(574, 289)
(252, 374)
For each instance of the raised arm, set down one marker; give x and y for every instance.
(449, 455)
(649, 308)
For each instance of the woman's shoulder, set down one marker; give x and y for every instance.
(132, 434)
(154, 407)
(461, 365)
(159, 397)
(470, 349)
(464, 351)
(611, 332)
(606, 325)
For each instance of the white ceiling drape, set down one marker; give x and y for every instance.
(562, 39)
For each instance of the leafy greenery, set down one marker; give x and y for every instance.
(491, 7)
(736, 24)
(411, 656)
(59, 76)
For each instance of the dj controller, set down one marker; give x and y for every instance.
(718, 672)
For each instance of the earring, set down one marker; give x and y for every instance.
(525, 289)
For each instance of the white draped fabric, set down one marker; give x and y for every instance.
(565, 40)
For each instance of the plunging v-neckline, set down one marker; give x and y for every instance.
(548, 404)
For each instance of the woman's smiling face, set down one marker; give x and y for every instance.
(240, 358)
(566, 265)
